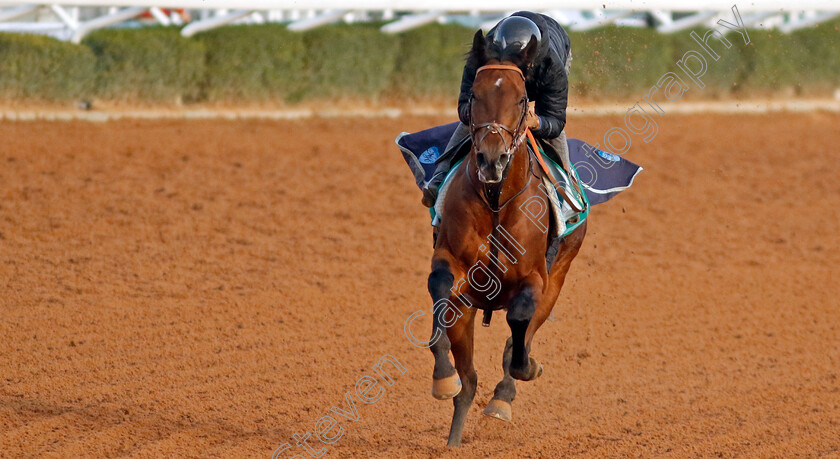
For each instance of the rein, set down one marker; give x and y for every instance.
(550, 179)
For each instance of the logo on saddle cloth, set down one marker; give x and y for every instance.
(608, 156)
(429, 156)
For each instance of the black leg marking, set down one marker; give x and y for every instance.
(440, 283)
(519, 315)
(506, 389)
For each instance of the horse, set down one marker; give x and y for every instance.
(486, 243)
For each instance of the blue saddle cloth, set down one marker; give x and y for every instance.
(603, 175)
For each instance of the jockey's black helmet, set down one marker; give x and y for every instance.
(511, 37)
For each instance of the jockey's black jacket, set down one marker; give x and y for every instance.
(548, 84)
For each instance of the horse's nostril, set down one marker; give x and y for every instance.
(503, 159)
(482, 160)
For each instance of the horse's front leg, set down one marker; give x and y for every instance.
(521, 312)
(499, 406)
(461, 337)
(445, 381)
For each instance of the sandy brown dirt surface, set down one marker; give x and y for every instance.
(209, 289)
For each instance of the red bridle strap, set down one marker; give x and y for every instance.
(501, 67)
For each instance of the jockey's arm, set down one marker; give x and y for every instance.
(551, 101)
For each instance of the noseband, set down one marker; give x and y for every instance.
(517, 134)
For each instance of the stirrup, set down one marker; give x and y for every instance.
(429, 196)
(576, 186)
(430, 189)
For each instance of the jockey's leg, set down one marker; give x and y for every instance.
(430, 189)
(559, 151)
(560, 145)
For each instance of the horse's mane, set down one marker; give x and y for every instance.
(477, 55)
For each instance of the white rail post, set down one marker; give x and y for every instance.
(411, 21)
(16, 12)
(317, 20)
(104, 21)
(161, 17)
(211, 23)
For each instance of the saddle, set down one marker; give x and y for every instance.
(604, 176)
(567, 203)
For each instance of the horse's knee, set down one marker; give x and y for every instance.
(440, 282)
(521, 309)
(520, 313)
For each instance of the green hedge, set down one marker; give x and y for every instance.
(774, 61)
(259, 63)
(811, 58)
(616, 61)
(724, 76)
(253, 63)
(348, 60)
(42, 68)
(148, 64)
(416, 74)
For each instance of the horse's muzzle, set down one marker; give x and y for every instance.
(491, 170)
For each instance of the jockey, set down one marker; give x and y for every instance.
(546, 81)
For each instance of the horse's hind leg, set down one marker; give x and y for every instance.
(528, 311)
(545, 304)
(461, 337)
(499, 406)
(446, 383)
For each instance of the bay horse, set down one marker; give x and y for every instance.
(486, 243)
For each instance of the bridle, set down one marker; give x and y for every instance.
(517, 134)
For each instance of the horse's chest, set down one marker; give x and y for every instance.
(493, 280)
(496, 265)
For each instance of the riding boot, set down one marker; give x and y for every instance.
(560, 145)
(430, 188)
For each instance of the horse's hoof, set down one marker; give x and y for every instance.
(534, 371)
(539, 367)
(498, 409)
(446, 388)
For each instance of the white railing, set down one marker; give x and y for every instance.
(469, 5)
(73, 19)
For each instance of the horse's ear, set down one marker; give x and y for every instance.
(478, 52)
(530, 49)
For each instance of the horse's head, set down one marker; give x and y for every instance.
(498, 106)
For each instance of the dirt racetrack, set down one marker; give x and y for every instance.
(210, 288)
